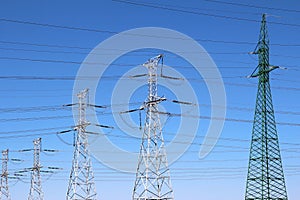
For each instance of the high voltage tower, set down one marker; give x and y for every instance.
(153, 175)
(81, 183)
(4, 189)
(36, 192)
(265, 174)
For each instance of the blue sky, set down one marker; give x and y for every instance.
(38, 64)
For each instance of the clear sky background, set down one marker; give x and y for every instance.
(43, 43)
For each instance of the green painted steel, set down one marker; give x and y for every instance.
(265, 179)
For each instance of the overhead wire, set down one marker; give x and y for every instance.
(113, 49)
(253, 6)
(136, 53)
(140, 35)
(33, 108)
(39, 118)
(173, 9)
(189, 177)
(130, 77)
(231, 139)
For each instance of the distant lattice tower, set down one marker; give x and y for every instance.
(265, 179)
(36, 192)
(4, 189)
(81, 182)
(153, 175)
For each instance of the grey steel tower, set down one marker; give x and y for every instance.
(153, 175)
(36, 192)
(265, 179)
(81, 182)
(4, 189)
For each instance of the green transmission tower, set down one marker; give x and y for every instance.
(265, 179)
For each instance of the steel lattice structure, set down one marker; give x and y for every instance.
(4, 189)
(36, 192)
(265, 179)
(153, 176)
(81, 182)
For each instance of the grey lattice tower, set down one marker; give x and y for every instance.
(81, 182)
(265, 179)
(36, 192)
(153, 175)
(4, 189)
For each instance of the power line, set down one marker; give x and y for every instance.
(132, 64)
(185, 178)
(130, 77)
(90, 48)
(33, 130)
(65, 108)
(98, 63)
(163, 113)
(224, 147)
(54, 107)
(56, 26)
(188, 172)
(72, 78)
(231, 139)
(142, 35)
(41, 60)
(44, 45)
(34, 109)
(200, 13)
(85, 53)
(135, 55)
(226, 119)
(253, 6)
(214, 10)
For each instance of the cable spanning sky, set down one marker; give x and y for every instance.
(42, 45)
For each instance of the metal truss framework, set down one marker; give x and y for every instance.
(36, 192)
(81, 182)
(265, 180)
(4, 187)
(153, 175)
